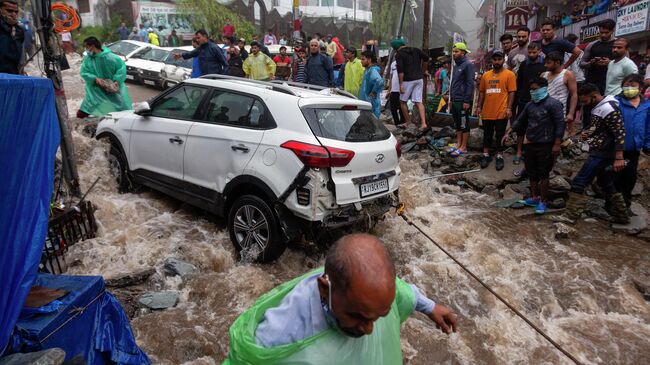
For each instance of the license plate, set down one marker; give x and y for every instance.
(374, 187)
(149, 82)
(130, 77)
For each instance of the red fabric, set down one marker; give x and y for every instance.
(278, 59)
(338, 58)
(228, 30)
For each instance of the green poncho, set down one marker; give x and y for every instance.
(105, 65)
(382, 347)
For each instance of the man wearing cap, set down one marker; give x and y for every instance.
(497, 94)
(353, 72)
(461, 96)
(153, 37)
(409, 70)
(242, 50)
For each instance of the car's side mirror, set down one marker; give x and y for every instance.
(142, 109)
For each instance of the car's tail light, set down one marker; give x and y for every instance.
(319, 156)
(398, 148)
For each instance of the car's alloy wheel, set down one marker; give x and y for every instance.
(254, 229)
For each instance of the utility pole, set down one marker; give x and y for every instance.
(398, 34)
(425, 44)
(52, 55)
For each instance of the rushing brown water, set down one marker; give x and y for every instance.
(577, 290)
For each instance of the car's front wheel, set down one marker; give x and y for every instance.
(254, 230)
(119, 170)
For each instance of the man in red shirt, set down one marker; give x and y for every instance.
(228, 29)
(283, 65)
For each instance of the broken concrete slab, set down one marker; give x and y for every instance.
(130, 279)
(490, 176)
(563, 231)
(505, 203)
(53, 356)
(559, 183)
(638, 189)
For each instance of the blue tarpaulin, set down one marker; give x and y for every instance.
(89, 322)
(29, 137)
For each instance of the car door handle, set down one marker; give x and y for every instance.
(176, 139)
(240, 147)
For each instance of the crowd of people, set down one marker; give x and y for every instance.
(582, 10)
(539, 90)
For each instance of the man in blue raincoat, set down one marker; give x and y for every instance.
(372, 83)
(104, 74)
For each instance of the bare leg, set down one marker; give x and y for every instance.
(459, 138)
(543, 188)
(423, 122)
(534, 189)
(405, 110)
(463, 146)
(520, 146)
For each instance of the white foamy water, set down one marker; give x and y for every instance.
(579, 291)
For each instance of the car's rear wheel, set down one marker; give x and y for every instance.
(254, 230)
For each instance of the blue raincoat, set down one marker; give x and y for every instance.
(372, 82)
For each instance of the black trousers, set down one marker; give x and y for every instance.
(626, 179)
(492, 127)
(395, 109)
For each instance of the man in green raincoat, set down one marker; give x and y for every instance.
(348, 313)
(104, 74)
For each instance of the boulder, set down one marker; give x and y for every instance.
(559, 183)
(638, 189)
(595, 208)
(563, 169)
(492, 191)
(436, 162)
(53, 356)
(505, 203)
(159, 300)
(447, 131)
(563, 231)
(475, 139)
(175, 267)
(509, 193)
(558, 203)
(642, 284)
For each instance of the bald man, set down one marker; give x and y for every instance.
(348, 313)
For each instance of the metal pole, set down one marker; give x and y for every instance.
(398, 33)
(52, 54)
(425, 47)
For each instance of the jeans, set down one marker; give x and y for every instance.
(626, 179)
(595, 167)
(489, 129)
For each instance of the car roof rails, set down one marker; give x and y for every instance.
(313, 87)
(273, 86)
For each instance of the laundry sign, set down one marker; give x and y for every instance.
(632, 18)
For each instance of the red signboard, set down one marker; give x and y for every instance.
(516, 15)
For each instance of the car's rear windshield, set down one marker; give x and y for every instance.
(346, 125)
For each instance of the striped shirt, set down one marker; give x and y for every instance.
(300, 74)
(557, 89)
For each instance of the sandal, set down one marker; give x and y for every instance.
(401, 126)
(455, 152)
(516, 160)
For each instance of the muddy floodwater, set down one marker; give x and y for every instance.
(578, 290)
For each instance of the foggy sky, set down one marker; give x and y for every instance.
(467, 20)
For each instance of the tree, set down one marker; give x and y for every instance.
(211, 16)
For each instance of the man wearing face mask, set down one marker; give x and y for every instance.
(104, 74)
(12, 36)
(606, 140)
(636, 116)
(348, 313)
(542, 125)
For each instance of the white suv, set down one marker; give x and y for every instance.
(279, 160)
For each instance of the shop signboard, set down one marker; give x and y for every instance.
(155, 15)
(590, 33)
(516, 15)
(632, 18)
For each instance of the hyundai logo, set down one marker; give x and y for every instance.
(379, 158)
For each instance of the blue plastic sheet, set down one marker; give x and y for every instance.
(29, 137)
(90, 323)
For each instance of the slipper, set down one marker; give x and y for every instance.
(518, 172)
(401, 126)
(516, 160)
(455, 152)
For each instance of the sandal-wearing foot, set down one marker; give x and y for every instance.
(516, 160)
(455, 152)
(402, 126)
(518, 172)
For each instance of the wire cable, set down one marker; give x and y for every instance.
(69, 22)
(400, 212)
